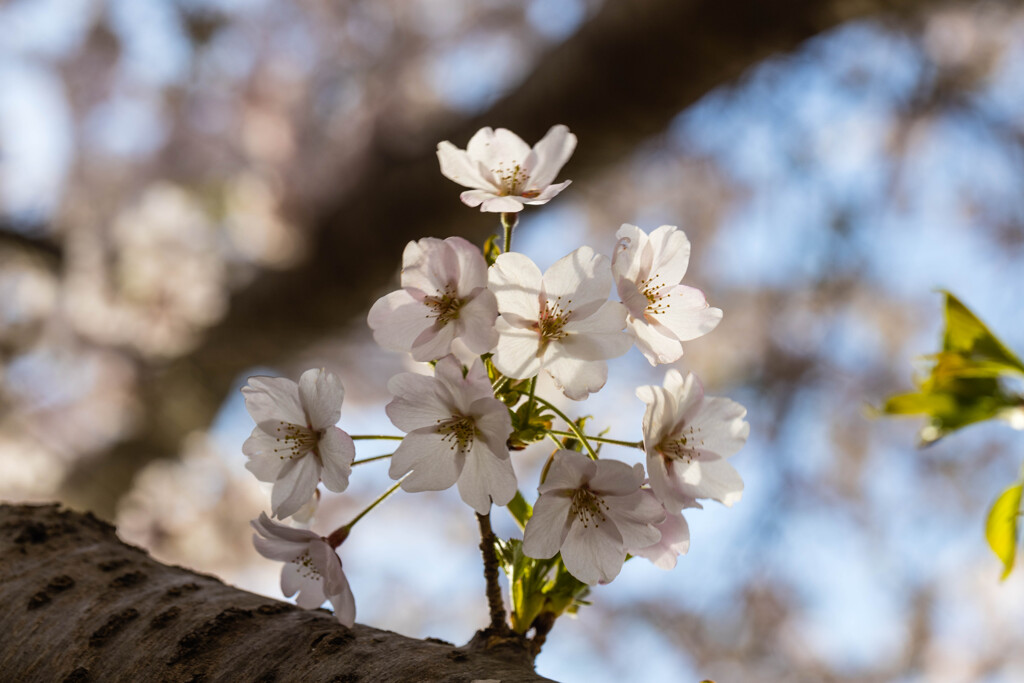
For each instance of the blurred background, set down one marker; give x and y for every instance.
(196, 191)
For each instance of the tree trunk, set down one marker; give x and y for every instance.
(80, 605)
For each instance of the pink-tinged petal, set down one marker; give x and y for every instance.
(635, 516)
(715, 479)
(275, 549)
(722, 429)
(598, 337)
(475, 198)
(593, 554)
(498, 204)
(273, 399)
(656, 347)
(397, 319)
(321, 394)
(516, 282)
(337, 451)
(569, 470)
(665, 484)
(547, 528)
(675, 541)
(429, 265)
(577, 378)
(295, 485)
(670, 249)
(344, 603)
(493, 424)
(472, 268)
(614, 478)
(475, 324)
(659, 416)
(275, 531)
(457, 165)
(310, 586)
(550, 155)
(484, 478)
(448, 371)
(547, 194)
(626, 260)
(420, 401)
(689, 393)
(434, 342)
(516, 353)
(435, 467)
(582, 277)
(328, 564)
(685, 312)
(501, 153)
(264, 461)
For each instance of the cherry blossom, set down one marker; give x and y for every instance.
(675, 540)
(663, 313)
(688, 437)
(561, 322)
(295, 443)
(591, 511)
(503, 172)
(444, 297)
(313, 569)
(457, 432)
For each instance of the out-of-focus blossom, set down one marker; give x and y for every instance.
(313, 569)
(591, 511)
(503, 172)
(561, 322)
(457, 432)
(663, 313)
(295, 443)
(688, 437)
(444, 297)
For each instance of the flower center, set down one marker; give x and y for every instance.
(445, 306)
(307, 569)
(657, 302)
(294, 441)
(553, 318)
(682, 446)
(512, 180)
(586, 507)
(458, 431)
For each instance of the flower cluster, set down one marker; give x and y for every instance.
(489, 322)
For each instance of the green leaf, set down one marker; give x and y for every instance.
(1001, 526)
(968, 336)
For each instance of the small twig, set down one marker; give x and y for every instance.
(494, 599)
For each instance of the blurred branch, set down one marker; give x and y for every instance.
(620, 80)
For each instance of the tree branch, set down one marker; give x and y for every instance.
(80, 605)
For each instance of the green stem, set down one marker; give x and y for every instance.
(572, 426)
(375, 437)
(531, 400)
(601, 439)
(376, 457)
(341, 533)
(508, 223)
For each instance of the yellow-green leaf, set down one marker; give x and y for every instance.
(966, 335)
(1001, 527)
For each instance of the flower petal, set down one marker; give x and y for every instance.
(420, 401)
(675, 541)
(295, 485)
(397, 319)
(516, 353)
(457, 165)
(516, 282)
(547, 528)
(576, 378)
(337, 451)
(321, 394)
(475, 324)
(715, 479)
(685, 311)
(435, 465)
(550, 153)
(657, 347)
(593, 553)
(273, 399)
(583, 276)
(670, 250)
(263, 461)
(486, 477)
(497, 204)
(547, 194)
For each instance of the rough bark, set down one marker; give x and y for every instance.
(618, 81)
(80, 605)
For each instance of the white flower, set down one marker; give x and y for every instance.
(313, 569)
(591, 511)
(662, 313)
(687, 438)
(295, 442)
(675, 540)
(561, 322)
(444, 297)
(457, 432)
(502, 170)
